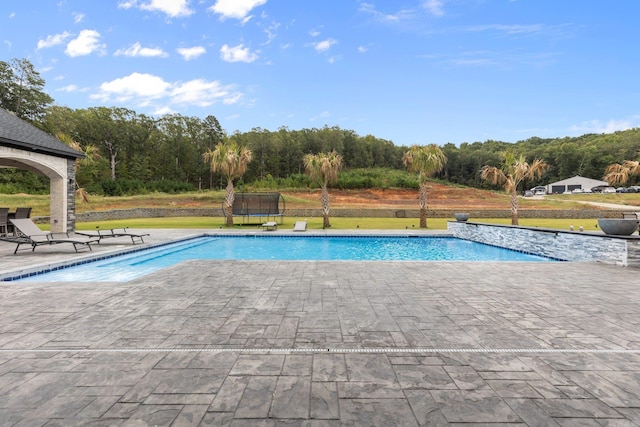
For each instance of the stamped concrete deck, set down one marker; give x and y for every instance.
(322, 343)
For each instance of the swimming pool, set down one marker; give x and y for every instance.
(284, 248)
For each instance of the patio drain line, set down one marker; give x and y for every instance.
(322, 350)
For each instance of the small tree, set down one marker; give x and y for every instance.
(91, 154)
(323, 168)
(511, 174)
(426, 161)
(231, 161)
(619, 174)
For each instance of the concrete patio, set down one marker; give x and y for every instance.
(321, 343)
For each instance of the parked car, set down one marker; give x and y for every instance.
(634, 189)
(622, 190)
(539, 190)
(603, 189)
(528, 193)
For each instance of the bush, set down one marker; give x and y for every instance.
(355, 179)
(130, 187)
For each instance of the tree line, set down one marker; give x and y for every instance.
(137, 153)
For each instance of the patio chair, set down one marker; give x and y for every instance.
(22, 213)
(4, 221)
(112, 233)
(300, 226)
(28, 233)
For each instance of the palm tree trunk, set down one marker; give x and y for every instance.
(514, 208)
(423, 206)
(228, 202)
(325, 207)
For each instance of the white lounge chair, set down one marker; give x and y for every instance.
(114, 232)
(300, 226)
(270, 226)
(28, 233)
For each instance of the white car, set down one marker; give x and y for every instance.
(609, 190)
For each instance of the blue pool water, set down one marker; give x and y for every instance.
(137, 264)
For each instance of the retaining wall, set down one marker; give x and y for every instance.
(350, 213)
(564, 245)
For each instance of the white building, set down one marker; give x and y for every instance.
(570, 184)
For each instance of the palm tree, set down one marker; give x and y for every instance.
(91, 154)
(513, 172)
(231, 161)
(323, 168)
(426, 160)
(620, 173)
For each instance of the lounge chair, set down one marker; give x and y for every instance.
(4, 221)
(270, 226)
(300, 226)
(22, 213)
(114, 232)
(28, 233)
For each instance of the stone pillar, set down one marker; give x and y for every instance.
(71, 195)
(58, 202)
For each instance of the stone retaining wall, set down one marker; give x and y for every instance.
(564, 245)
(350, 213)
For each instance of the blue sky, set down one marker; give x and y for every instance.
(409, 71)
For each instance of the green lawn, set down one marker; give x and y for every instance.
(336, 223)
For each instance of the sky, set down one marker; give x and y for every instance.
(408, 71)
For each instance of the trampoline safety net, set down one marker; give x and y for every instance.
(258, 205)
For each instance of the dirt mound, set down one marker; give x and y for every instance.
(439, 196)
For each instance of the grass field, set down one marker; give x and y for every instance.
(336, 223)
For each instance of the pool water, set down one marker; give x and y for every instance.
(130, 266)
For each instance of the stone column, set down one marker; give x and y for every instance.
(71, 195)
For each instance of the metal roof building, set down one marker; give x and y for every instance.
(570, 184)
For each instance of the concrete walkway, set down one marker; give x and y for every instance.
(322, 343)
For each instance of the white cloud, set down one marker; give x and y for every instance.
(53, 40)
(202, 93)
(126, 4)
(164, 110)
(136, 50)
(142, 90)
(434, 7)
(271, 32)
(509, 29)
(172, 8)
(189, 53)
(68, 88)
(362, 49)
(237, 54)
(613, 125)
(238, 9)
(134, 87)
(320, 116)
(87, 42)
(385, 17)
(324, 45)
(78, 17)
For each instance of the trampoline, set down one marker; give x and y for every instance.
(255, 207)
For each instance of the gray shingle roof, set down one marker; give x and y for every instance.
(16, 133)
